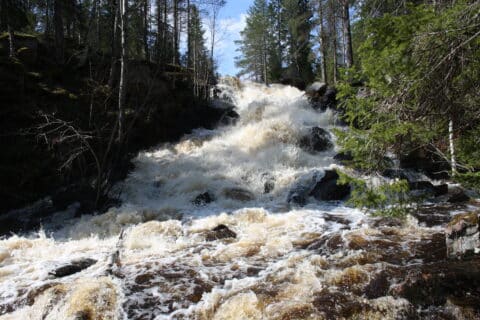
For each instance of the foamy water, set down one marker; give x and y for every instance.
(286, 262)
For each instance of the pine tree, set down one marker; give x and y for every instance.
(299, 45)
(254, 45)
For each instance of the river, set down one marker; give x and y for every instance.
(154, 256)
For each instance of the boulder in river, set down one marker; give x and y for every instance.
(426, 161)
(458, 195)
(317, 140)
(268, 182)
(72, 268)
(327, 188)
(220, 232)
(203, 199)
(238, 194)
(316, 90)
(462, 235)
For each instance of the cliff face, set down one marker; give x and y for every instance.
(56, 121)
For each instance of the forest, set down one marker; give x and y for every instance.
(335, 175)
(80, 86)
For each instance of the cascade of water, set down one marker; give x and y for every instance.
(282, 261)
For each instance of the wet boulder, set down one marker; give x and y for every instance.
(317, 140)
(268, 183)
(437, 282)
(203, 199)
(440, 189)
(296, 82)
(462, 235)
(302, 188)
(229, 117)
(426, 161)
(458, 195)
(321, 96)
(238, 194)
(316, 90)
(327, 188)
(220, 232)
(73, 267)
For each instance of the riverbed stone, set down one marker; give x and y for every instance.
(462, 235)
(220, 232)
(73, 267)
(238, 194)
(316, 140)
(458, 195)
(327, 188)
(203, 199)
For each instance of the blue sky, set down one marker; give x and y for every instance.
(232, 21)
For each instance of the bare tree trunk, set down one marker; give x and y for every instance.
(453, 161)
(145, 29)
(165, 26)
(189, 31)
(347, 33)
(11, 40)
(323, 43)
(175, 31)
(97, 23)
(47, 18)
(158, 40)
(123, 67)
(59, 36)
(212, 36)
(113, 63)
(333, 22)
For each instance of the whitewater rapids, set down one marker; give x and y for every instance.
(286, 262)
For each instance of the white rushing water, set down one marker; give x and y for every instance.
(285, 262)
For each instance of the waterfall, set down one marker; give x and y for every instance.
(282, 261)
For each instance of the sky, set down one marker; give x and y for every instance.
(232, 21)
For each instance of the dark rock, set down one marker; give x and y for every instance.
(440, 189)
(432, 284)
(462, 235)
(297, 197)
(316, 90)
(238, 194)
(324, 99)
(337, 305)
(72, 268)
(426, 161)
(294, 82)
(203, 199)
(268, 183)
(317, 140)
(378, 286)
(229, 117)
(220, 232)
(458, 196)
(302, 188)
(421, 185)
(395, 174)
(327, 188)
(343, 157)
